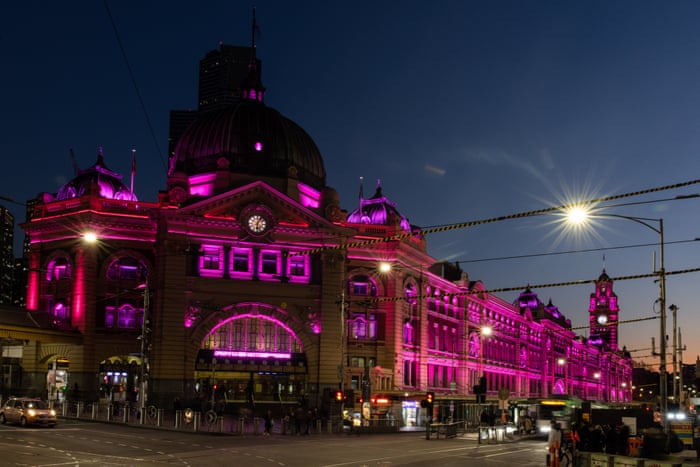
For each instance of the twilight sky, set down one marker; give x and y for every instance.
(465, 110)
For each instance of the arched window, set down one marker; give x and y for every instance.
(127, 269)
(363, 326)
(123, 317)
(61, 311)
(362, 286)
(254, 334)
(58, 269)
(124, 293)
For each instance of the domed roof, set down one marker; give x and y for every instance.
(249, 138)
(378, 210)
(97, 179)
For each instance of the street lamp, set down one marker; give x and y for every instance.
(580, 215)
(145, 347)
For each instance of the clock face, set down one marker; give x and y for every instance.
(602, 319)
(257, 223)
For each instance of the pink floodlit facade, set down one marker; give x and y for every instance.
(247, 274)
(413, 329)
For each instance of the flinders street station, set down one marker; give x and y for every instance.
(249, 281)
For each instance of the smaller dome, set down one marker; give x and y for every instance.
(378, 210)
(97, 179)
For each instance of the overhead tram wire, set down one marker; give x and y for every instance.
(588, 250)
(538, 286)
(519, 215)
(136, 87)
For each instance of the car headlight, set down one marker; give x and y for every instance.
(53, 413)
(31, 412)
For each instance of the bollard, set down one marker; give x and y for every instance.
(159, 417)
(178, 418)
(256, 428)
(78, 409)
(110, 412)
(241, 425)
(318, 426)
(95, 410)
(220, 422)
(125, 413)
(196, 421)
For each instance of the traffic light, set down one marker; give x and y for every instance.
(339, 396)
(480, 390)
(429, 398)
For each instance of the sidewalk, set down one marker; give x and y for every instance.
(201, 422)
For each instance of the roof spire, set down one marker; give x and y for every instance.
(362, 195)
(133, 168)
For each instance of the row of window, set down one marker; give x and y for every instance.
(249, 263)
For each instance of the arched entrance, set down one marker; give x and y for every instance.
(119, 378)
(251, 359)
(57, 379)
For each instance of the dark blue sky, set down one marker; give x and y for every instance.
(464, 109)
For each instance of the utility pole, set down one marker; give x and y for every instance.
(676, 399)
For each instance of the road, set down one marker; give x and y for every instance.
(81, 443)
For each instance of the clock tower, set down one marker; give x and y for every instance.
(603, 313)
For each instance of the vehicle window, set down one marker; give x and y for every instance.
(36, 405)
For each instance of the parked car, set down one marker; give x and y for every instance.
(27, 411)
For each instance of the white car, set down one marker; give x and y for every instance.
(27, 411)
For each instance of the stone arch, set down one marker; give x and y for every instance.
(559, 386)
(52, 350)
(209, 321)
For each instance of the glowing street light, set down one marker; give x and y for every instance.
(580, 215)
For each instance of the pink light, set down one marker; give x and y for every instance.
(308, 196)
(258, 146)
(33, 283)
(78, 308)
(244, 354)
(203, 184)
(257, 315)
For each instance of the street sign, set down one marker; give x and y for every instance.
(503, 394)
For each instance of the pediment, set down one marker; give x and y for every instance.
(231, 205)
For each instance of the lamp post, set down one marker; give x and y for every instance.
(144, 370)
(579, 215)
(343, 348)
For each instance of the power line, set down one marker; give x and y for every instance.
(136, 87)
(537, 212)
(588, 250)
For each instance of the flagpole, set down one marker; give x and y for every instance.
(133, 168)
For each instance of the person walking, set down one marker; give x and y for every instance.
(268, 423)
(554, 443)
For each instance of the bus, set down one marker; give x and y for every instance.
(546, 411)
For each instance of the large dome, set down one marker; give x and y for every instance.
(248, 138)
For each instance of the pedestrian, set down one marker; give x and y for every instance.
(610, 439)
(623, 439)
(554, 443)
(268, 423)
